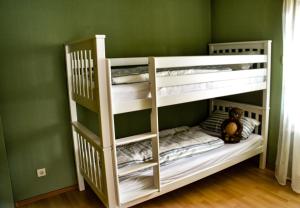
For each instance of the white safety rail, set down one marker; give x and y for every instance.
(83, 73)
(91, 159)
(166, 62)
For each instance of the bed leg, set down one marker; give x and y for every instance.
(262, 160)
(80, 180)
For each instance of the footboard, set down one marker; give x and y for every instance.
(88, 86)
(91, 160)
(82, 65)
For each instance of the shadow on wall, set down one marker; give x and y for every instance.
(6, 195)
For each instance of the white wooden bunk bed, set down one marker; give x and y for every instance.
(90, 85)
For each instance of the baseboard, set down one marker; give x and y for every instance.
(45, 196)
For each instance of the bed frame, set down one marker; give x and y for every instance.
(89, 85)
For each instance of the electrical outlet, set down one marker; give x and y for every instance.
(41, 172)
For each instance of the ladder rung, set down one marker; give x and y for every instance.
(135, 195)
(135, 138)
(133, 168)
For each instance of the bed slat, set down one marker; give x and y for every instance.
(134, 168)
(135, 138)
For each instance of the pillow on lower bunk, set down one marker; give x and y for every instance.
(214, 121)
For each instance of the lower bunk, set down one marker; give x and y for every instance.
(180, 172)
(187, 154)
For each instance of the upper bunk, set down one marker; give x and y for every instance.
(231, 68)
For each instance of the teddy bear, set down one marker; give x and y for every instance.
(231, 128)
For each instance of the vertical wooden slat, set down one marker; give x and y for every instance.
(86, 63)
(89, 159)
(82, 74)
(92, 164)
(82, 153)
(86, 158)
(95, 167)
(211, 106)
(72, 73)
(257, 118)
(75, 72)
(78, 72)
(79, 151)
(98, 162)
(91, 74)
(102, 169)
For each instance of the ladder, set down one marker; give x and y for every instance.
(153, 136)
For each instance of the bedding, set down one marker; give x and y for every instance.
(174, 144)
(131, 185)
(243, 66)
(123, 92)
(140, 73)
(214, 121)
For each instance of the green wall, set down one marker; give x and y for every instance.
(33, 94)
(243, 20)
(6, 196)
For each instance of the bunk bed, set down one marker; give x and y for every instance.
(91, 83)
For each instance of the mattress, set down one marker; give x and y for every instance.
(141, 90)
(131, 186)
(140, 73)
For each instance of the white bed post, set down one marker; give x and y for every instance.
(266, 105)
(106, 123)
(73, 111)
(211, 106)
(154, 122)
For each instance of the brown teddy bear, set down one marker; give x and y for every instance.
(231, 128)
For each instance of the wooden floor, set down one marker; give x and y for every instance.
(241, 186)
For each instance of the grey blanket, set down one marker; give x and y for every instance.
(174, 144)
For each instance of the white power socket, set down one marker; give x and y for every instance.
(41, 172)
